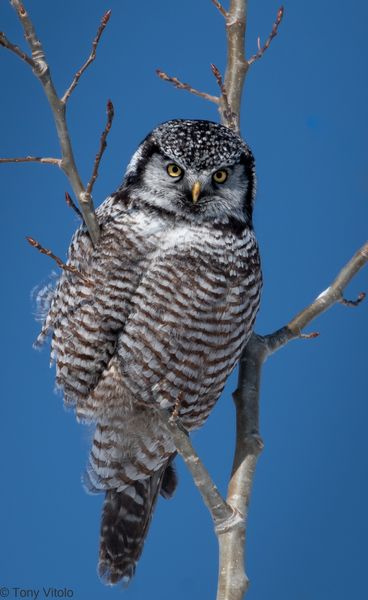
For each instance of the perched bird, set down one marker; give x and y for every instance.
(156, 316)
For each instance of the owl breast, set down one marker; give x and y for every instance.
(190, 318)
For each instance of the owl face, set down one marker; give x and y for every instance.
(194, 170)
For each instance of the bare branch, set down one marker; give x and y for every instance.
(40, 159)
(58, 260)
(262, 49)
(41, 70)
(103, 144)
(90, 59)
(185, 86)
(72, 205)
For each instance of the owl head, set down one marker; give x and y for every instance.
(194, 170)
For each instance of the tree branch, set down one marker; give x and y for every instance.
(40, 159)
(58, 106)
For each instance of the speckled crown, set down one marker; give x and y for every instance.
(199, 144)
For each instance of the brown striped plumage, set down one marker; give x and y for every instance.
(157, 317)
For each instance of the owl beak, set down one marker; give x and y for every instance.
(196, 190)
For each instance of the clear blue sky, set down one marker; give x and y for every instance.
(305, 117)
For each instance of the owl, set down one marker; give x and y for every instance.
(156, 317)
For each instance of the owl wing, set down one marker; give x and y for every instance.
(91, 304)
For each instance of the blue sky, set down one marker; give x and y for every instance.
(304, 115)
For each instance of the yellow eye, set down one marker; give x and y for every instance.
(174, 170)
(220, 176)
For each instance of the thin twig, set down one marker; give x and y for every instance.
(58, 260)
(90, 59)
(40, 159)
(219, 6)
(103, 144)
(185, 86)
(353, 303)
(266, 45)
(228, 114)
(72, 205)
(18, 51)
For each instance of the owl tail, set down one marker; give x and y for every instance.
(126, 517)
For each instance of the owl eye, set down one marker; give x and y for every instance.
(220, 176)
(174, 170)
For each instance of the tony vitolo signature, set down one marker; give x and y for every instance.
(36, 593)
